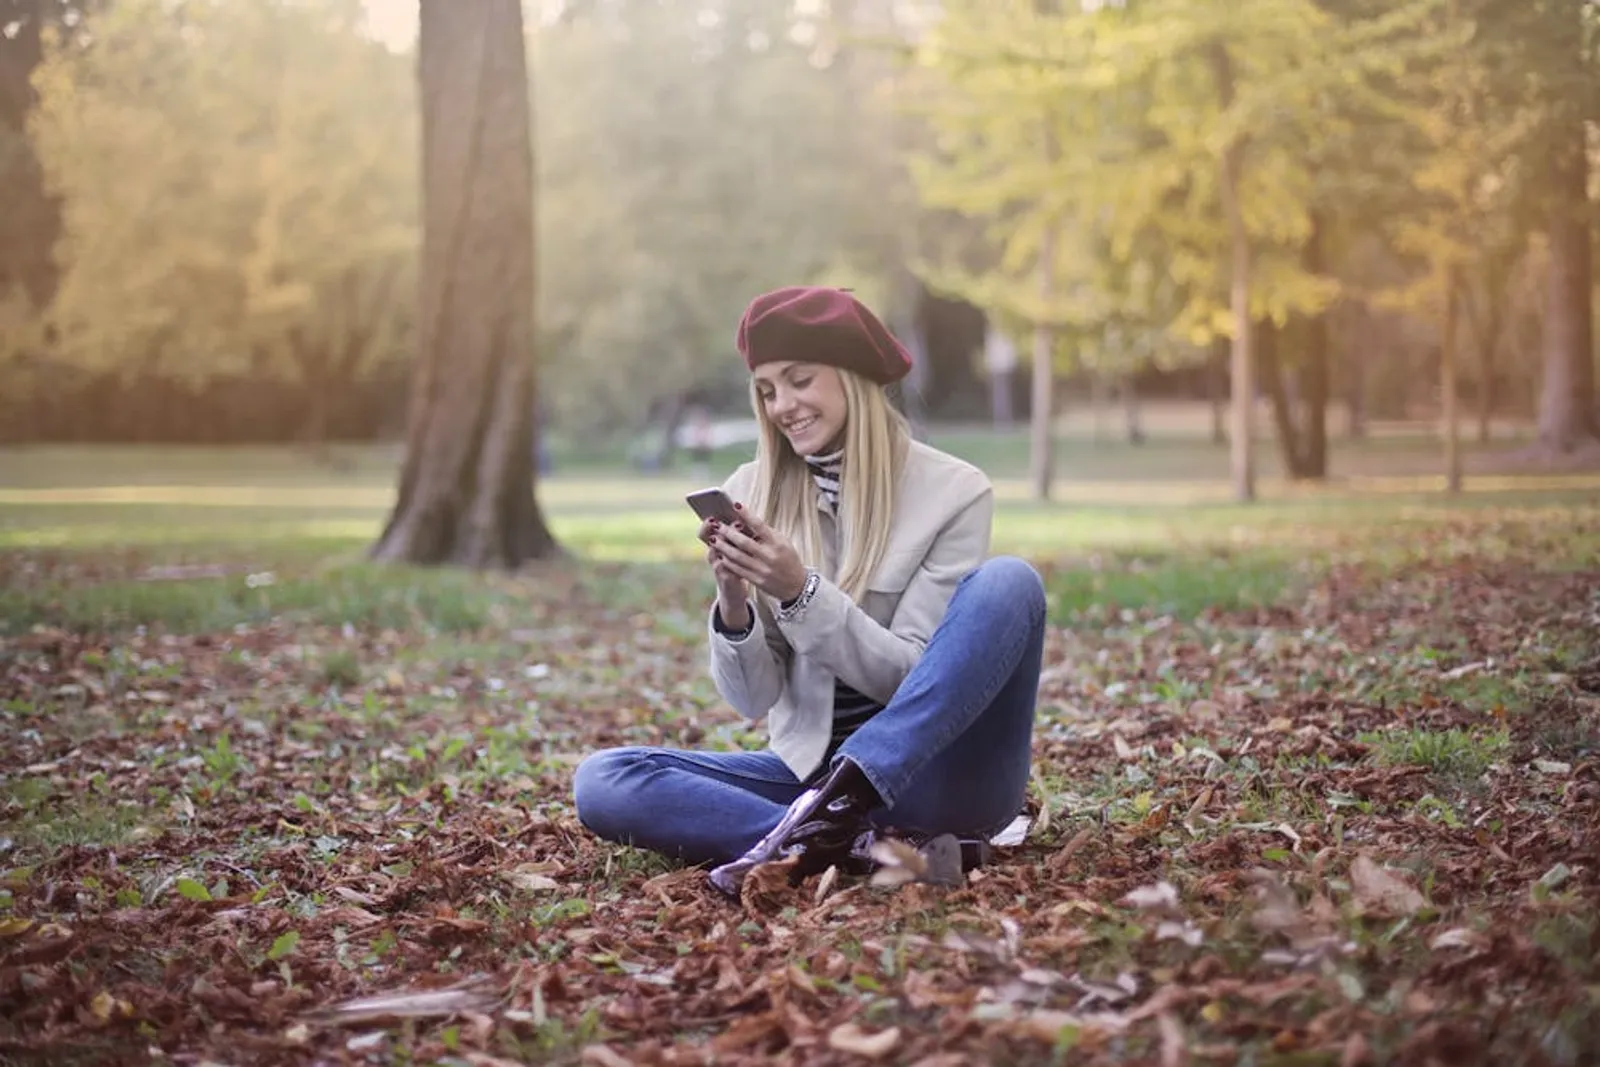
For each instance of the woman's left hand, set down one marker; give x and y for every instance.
(763, 557)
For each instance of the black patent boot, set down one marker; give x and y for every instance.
(821, 826)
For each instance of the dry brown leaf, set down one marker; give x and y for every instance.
(1376, 889)
(1356, 1052)
(530, 877)
(105, 1007)
(848, 1037)
(1458, 937)
(15, 927)
(1174, 1046)
(825, 884)
(1046, 1024)
(433, 1003)
(1065, 853)
(1161, 896)
(603, 1056)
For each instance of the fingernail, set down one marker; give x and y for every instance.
(738, 507)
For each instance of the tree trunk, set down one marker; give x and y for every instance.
(1130, 408)
(1242, 456)
(1482, 322)
(1566, 403)
(1271, 371)
(1042, 446)
(1447, 387)
(467, 485)
(1216, 388)
(1355, 368)
(1313, 450)
(1097, 406)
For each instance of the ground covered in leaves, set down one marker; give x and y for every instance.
(298, 815)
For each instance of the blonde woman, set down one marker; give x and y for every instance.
(896, 666)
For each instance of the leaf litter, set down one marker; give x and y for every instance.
(287, 842)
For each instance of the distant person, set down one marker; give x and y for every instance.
(896, 667)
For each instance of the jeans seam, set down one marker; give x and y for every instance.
(689, 758)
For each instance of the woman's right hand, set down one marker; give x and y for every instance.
(733, 603)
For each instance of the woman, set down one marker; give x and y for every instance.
(896, 668)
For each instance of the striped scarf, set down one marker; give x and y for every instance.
(826, 472)
(850, 708)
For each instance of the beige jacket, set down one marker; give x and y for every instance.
(785, 670)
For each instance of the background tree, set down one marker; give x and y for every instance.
(274, 232)
(467, 485)
(696, 155)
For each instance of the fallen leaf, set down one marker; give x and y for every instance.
(1375, 888)
(603, 1056)
(899, 862)
(1162, 896)
(105, 1007)
(1174, 1046)
(848, 1037)
(529, 878)
(434, 1003)
(1458, 937)
(15, 927)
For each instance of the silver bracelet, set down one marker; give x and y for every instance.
(807, 591)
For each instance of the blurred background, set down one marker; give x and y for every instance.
(210, 224)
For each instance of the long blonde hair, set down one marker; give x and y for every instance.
(876, 439)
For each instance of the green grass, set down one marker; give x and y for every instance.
(1455, 753)
(1184, 586)
(1137, 528)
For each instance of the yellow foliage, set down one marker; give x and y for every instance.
(238, 186)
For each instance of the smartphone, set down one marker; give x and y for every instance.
(713, 504)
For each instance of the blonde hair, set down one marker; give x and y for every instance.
(876, 440)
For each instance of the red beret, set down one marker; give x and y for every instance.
(809, 324)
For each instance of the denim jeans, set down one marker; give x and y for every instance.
(949, 753)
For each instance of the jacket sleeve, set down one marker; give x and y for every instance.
(750, 671)
(872, 658)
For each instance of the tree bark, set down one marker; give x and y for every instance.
(1270, 369)
(1241, 451)
(1313, 449)
(1042, 446)
(1097, 406)
(1355, 369)
(1447, 386)
(1216, 389)
(1484, 319)
(1566, 402)
(467, 486)
(1130, 408)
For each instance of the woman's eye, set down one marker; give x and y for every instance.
(801, 383)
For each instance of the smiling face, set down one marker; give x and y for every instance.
(806, 402)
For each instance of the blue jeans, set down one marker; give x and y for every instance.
(949, 753)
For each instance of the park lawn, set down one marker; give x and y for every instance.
(1316, 781)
